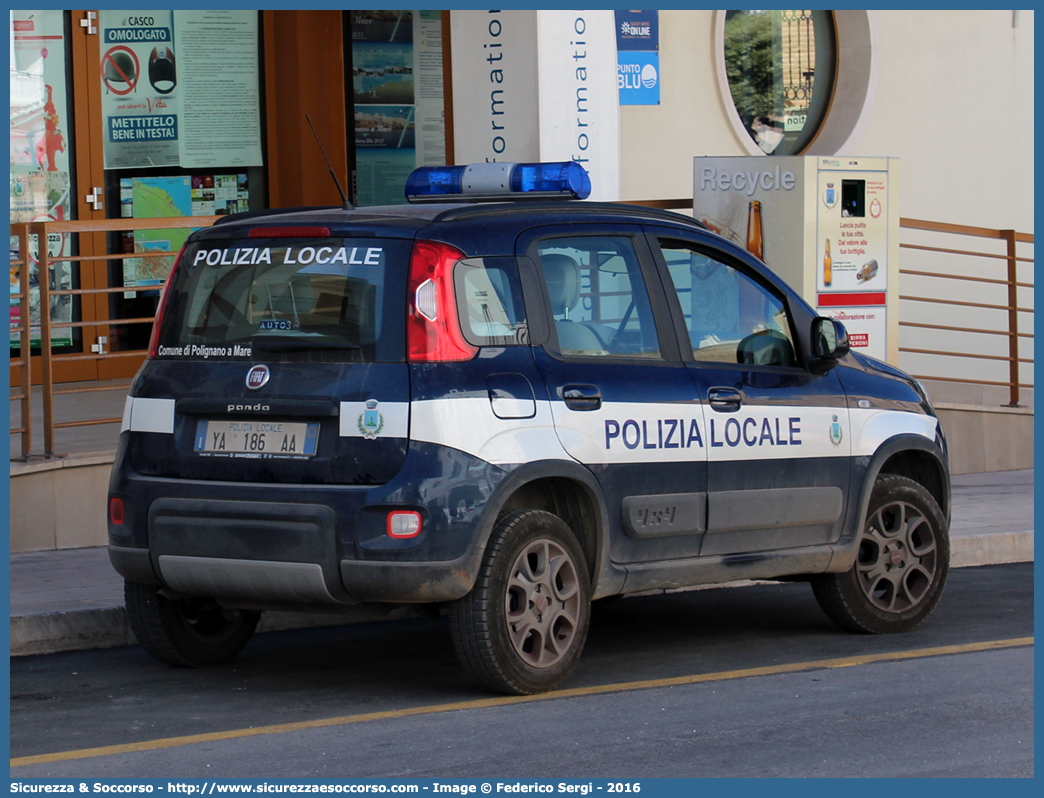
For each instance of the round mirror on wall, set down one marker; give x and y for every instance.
(780, 69)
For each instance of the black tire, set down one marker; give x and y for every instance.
(901, 566)
(534, 572)
(186, 633)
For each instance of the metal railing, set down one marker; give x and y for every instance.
(23, 361)
(1011, 260)
(48, 360)
(1010, 279)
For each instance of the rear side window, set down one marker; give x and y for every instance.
(489, 302)
(323, 299)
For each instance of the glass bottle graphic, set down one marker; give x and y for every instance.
(828, 274)
(755, 240)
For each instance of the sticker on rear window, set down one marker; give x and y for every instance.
(196, 350)
(244, 256)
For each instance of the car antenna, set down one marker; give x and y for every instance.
(345, 204)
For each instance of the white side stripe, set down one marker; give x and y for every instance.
(151, 415)
(393, 419)
(871, 428)
(468, 424)
(647, 432)
(127, 405)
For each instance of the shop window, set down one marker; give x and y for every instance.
(181, 136)
(779, 67)
(399, 104)
(41, 174)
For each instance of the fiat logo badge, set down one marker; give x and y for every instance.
(257, 377)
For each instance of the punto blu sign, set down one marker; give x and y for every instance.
(638, 57)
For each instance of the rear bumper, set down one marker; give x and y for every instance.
(261, 581)
(307, 544)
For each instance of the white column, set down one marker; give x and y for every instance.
(494, 86)
(578, 95)
(538, 86)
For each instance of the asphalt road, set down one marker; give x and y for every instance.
(819, 702)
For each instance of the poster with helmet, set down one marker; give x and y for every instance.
(140, 104)
(180, 88)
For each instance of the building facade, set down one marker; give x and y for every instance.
(140, 114)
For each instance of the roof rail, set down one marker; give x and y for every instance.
(573, 206)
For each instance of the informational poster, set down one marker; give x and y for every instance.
(219, 90)
(40, 179)
(429, 88)
(399, 107)
(180, 88)
(638, 57)
(218, 195)
(211, 195)
(852, 251)
(854, 227)
(157, 197)
(867, 326)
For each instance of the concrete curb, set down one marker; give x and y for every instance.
(995, 548)
(75, 630)
(79, 630)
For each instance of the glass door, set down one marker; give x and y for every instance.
(180, 122)
(43, 180)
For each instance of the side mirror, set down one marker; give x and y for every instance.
(829, 343)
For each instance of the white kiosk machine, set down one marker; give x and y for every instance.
(828, 226)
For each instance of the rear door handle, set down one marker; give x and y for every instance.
(725, 400)
(582, 397)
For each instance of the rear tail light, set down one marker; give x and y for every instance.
(403, 524)
(433, 331)
(116, 511)
(162, 306)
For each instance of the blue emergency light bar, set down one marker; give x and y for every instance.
(490, 182)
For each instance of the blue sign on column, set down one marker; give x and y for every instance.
(638, 30)
(638, 76)
(638, 57)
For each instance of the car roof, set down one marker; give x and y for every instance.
(413, 217)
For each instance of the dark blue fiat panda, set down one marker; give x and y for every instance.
(505, 405)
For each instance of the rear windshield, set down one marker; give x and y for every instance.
(325, 299)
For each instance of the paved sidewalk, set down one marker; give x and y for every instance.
(73, 599)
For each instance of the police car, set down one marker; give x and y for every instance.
(505, 406)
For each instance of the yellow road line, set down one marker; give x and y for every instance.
(482, 703)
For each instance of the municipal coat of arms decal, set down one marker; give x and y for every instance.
(835, 432)
(371, 422)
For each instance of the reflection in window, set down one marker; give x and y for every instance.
(598, 297)
(489, 302)
(730, 318)
(780, 69)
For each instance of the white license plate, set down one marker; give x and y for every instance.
(256, 438)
